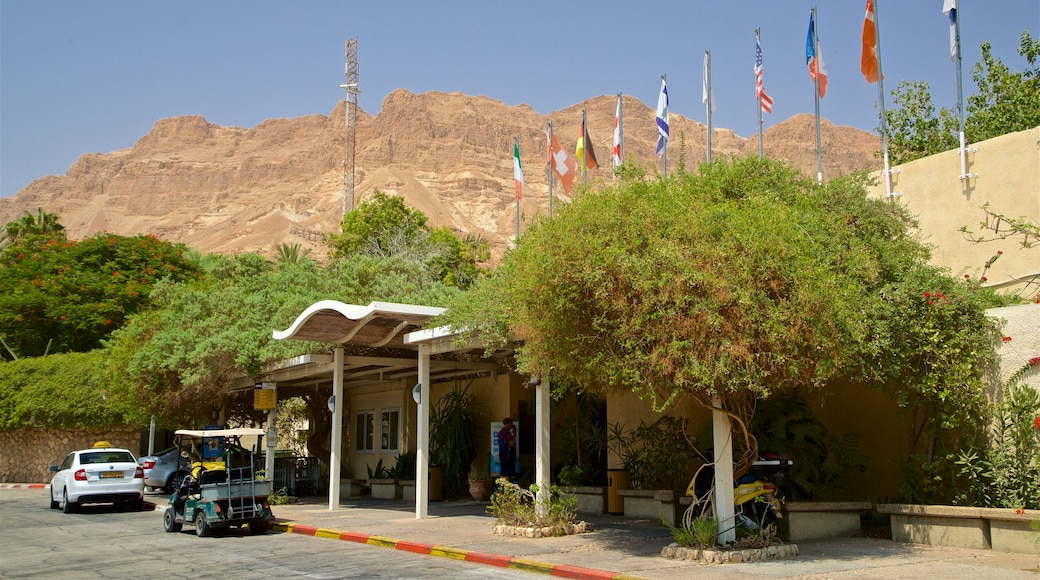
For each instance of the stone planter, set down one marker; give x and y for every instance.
(385, 488)
(1000, 529)
(591, 500)
(652, 504)
(350, 488)
(543, 532)
(408, 489)
(718, 556)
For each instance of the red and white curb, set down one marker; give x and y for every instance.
(559, 570)
(25, 486)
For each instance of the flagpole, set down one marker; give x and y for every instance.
(960, 92)
(816, 86)
(550, 150)
(881, 99)
(758, 99)
(707, 95)
(516, 143)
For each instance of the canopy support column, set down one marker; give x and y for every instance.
(422, 441)
(338, 404)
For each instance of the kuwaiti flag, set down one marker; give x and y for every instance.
(518, 171)
(662, 118)
(562, 163)
(950, 10)
(868, 61)
(814, 58)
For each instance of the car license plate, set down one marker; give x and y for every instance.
(111, 474)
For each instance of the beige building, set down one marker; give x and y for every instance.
(1003, 184)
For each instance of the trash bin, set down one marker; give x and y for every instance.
(435, 483)
(617, 480)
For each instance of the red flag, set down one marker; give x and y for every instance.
(868, 62)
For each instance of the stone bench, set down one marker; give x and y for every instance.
(999, 529)
(814, 520)
(591, 500)
(653, 504)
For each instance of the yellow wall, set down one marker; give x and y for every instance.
(1008, 169)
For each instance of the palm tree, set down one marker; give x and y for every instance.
(292, 253)
(41, 223)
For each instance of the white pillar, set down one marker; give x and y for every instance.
(151, 436)
(335, 460)
(541, 456)
(722, 436)
(422, 440)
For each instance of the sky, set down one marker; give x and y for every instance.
(93, 77)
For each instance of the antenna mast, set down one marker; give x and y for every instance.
(350, 123)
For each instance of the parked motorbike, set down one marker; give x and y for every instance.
(756, 500)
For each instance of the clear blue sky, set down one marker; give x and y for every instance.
(93, 76)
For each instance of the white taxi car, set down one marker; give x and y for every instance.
(102, 474)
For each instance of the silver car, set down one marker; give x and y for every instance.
(97, 475)
(165, 469)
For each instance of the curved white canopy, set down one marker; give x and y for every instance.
(376, 325)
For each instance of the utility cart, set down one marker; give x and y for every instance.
(222, 490)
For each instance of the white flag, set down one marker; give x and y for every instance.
(950, 10)
(662, 118)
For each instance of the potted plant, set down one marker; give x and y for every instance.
(383, 482)
(453, 438)
(480, 485)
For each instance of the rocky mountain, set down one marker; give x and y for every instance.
(231, 190)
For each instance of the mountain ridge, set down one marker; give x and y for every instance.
(230, 189)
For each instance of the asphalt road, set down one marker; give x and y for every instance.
(101, 541)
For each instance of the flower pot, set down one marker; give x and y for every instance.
(480, 489)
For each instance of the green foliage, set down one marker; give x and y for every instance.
(1003, 469)
(404, 466)
(1006, 102)
(453, 437)
(914, 130)
(515, 506)
(618, 289)
(66, 296)
(658, 455)
(378, 472)
(61, 391)
(294, 253)
(183, 356)
(822, 462)
(703, 532)
(384, 226)
(39, 225)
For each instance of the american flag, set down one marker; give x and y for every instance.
(764, 99)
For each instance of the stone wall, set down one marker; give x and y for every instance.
(27, 454)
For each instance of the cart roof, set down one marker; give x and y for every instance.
(239, 432)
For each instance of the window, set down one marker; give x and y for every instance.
(389, 430)
(364, 431)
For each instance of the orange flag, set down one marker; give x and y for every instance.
(563, 164)
(868, 62)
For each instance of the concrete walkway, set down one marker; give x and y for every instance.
(624, 548)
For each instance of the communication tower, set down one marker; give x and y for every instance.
(350, 123)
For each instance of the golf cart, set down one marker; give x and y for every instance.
(222, 490)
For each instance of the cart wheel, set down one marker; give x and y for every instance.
(202, 528)
(170, 523)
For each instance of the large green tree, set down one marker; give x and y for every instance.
(384, 226)
(1005, 102)
(742, 281)
(58, 295)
